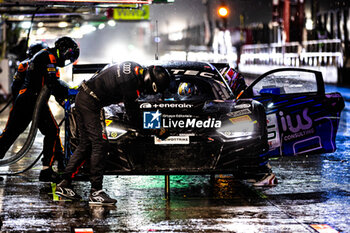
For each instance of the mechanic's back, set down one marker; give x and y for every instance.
(116, 83)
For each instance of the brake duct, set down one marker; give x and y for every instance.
(42, 99)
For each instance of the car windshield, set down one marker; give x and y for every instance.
(189, 88)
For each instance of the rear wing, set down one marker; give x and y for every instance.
(87, 68)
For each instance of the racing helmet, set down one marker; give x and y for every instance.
(187, 89)
(235, 80)
(36, 47)
(67, 50)
(156, 79)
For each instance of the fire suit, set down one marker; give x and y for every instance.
(117, 83)
(41, 70)
(19, 77)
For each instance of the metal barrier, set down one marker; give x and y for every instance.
(323, 55)
(310, 53)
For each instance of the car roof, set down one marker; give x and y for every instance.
(189, 65)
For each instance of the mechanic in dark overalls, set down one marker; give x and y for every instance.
(42, 70)
(18, 78)
(117, 83)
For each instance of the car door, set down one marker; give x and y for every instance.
(301, 117)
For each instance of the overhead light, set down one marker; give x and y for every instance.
(309, 24)
(26, 25)
(40, 31)
(62, 24)
(87, 28)
(223, 12)
(111, 23)
(101, 26)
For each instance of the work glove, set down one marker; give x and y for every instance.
(72, 91)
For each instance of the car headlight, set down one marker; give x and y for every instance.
(238, 127)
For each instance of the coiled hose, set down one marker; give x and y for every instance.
(42, 99)
(32, 164)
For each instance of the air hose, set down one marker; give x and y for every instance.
(32, 164)
(42, 99)
(8, 103)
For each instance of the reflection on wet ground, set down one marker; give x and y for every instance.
(311, 190)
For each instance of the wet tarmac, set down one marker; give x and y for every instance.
(311, 190)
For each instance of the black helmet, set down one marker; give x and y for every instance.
(36, 47)
(67, 49)
(157, 79)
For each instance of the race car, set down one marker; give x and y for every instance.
(195, 126)
(301, 117)
(283, 112)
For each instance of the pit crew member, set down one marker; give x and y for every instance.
(42, 70)
(119, 82)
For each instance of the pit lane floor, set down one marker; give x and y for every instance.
(311, 190)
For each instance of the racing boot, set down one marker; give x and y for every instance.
(48, 175)
(269, 179)
(99, 197)
(64, 189)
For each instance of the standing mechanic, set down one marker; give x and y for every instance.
(42, 70)
(119, 82)
(21, 72)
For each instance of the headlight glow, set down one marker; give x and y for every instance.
(244, 127)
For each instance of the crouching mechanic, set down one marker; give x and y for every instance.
(42, 70)
(119, 82)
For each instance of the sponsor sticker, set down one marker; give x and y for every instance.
(83, 230)
(239, 113)
(241, 118)
(166, 105)
(296, 126)
(108, 122)
(172, 140)
(151, 120)
(323, 228)
(113, 134)
(241, 106)
(192, 73)
(273, 135)
(155, 120)
(127, 68)
(146, 105)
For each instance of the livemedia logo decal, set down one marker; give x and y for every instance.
(151, 120)
(155, 120)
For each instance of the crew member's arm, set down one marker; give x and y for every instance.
(58, 87)
(132, 110)
(18, 78)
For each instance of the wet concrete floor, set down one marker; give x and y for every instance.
(311, 190)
